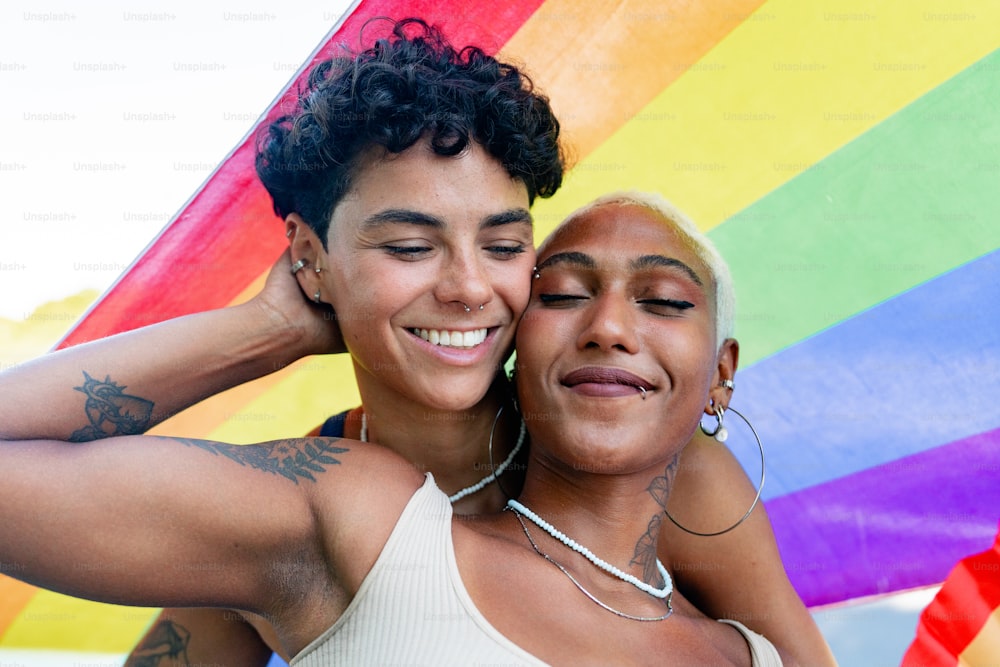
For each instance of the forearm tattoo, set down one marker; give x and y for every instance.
(645, 548)
(293, 459)
(111, 411)
(166, 644)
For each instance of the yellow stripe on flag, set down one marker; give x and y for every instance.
(984, 649)
(66, 623)
(790, 85)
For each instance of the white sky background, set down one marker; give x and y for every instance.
(114, 112)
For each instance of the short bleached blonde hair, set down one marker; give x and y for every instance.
(700, 244)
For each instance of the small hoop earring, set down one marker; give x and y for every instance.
(316, 296)
(719, 432)
(297, 266)
(760, 488)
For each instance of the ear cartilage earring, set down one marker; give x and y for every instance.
(318, 270)
(728, 384)
(288, 234)
(297, 266)
(316, 296)
(760, 488)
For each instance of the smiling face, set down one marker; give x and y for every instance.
(416, 239)
(618, 342)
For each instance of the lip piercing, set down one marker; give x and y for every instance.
(297, 266)
(643, 390)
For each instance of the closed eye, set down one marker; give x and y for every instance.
(556, 299)
(506, 251)
(406, 252)
(676, 304)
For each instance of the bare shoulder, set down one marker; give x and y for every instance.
(357, 511)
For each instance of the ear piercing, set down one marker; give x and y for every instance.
(728, 384)
(297, 266)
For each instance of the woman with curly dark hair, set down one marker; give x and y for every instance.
(405, 177)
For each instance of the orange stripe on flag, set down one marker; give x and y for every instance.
(15, 595)
(617, 56)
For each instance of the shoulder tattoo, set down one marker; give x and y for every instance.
(293, 459)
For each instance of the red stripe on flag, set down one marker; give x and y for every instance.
(958, 612)
(227, 235)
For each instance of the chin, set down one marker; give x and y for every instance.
(458, 397)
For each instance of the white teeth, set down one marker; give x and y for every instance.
(445, 338)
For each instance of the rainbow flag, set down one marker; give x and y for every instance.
(963, 619)
(844, 156)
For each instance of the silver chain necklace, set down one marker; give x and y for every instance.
(669, 596)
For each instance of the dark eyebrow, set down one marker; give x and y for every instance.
(653, 261)
(578, 259)
(401, 216)
(409, 217)
(510, 216)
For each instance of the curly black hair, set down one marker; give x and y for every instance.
(409, 86)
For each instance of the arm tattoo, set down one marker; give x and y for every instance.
(289, 458)
(645, 548)
(111, 411)
(166, 641)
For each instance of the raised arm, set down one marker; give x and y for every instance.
(131, 382)
(149, 520)
(737, 575)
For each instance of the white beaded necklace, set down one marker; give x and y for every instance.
(661, 593)
(670, 606)
(490, 478)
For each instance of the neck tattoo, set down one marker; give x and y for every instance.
(665, 593)
(485, 481)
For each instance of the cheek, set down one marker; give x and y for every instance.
(513, 283)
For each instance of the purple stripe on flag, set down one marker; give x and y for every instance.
(899, 525)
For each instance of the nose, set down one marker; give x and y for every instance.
(610, 325)
(465, 281)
